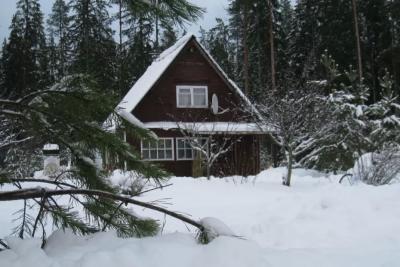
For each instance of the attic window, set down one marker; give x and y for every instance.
(189, 96)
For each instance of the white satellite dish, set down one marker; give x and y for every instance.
(214, 104)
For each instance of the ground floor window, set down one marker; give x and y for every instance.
(185, 147)
(160, 149)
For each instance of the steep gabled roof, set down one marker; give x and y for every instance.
(156, 70)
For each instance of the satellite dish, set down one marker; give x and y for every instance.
(214, 104)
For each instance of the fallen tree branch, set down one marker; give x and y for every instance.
(31, 193)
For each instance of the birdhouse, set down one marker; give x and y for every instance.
(51, 159)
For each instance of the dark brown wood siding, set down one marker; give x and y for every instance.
(189, 68)
(242, 159)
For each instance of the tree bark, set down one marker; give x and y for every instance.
(245, 52)
(289, 167)
(357, 36)
(271, 44)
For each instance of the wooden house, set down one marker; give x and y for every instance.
(185, 94)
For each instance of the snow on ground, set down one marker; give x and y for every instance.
(316, 222)
(105, 250)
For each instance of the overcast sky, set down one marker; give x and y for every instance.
(214, 8)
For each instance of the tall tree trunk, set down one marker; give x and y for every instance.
(120, 49)
(357, 36)
(245, 52)
(61, 47)
(271, 44)
(156, 29)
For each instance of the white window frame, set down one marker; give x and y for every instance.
(185, 148)
(191, 87)
(165, 149)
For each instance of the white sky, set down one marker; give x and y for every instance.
(215, 8)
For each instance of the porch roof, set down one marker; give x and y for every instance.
(210, 127)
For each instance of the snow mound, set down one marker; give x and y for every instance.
(215, 227)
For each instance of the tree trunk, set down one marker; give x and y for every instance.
(245, 53)
(156, 44)
(357, 36)
(289, 167)
(120, 90)
(271, 44)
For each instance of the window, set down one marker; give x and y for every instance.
(161, 149)
(184, 148)
(191, 96)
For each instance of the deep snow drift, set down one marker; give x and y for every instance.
(316, 222)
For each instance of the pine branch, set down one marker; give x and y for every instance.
(4, 244)
(38, 192)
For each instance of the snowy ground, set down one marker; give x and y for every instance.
(316, 222)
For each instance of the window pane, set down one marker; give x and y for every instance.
(168, 154)
(153, 144)
(161, 144)
(199, 100)
(145, 154)
(161, 154)
(153, 154)
(168, 143)
(185, 100)
(184, 91)
(187, 144)
(181, 143)
(189, 153)
(199, 91)
(181, 153)
(145, 144)
(199, 96)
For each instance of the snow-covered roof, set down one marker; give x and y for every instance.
(50, 147)
(209, 127)
(153, 74)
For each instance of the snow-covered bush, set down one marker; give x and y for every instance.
(378, 168)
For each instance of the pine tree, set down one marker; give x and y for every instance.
(26, 60)
(217, 42)
(177, 12)
(344, 136)
(139, 49)
(306, 41)
(384, 116)
(258, 44)
(58, 26)
(286, 21)
(168, 37)
(92, 44)
(239, 12)
(393, 9)
(70, 114)
(375, 36)
(3, 55)
(138, 23)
